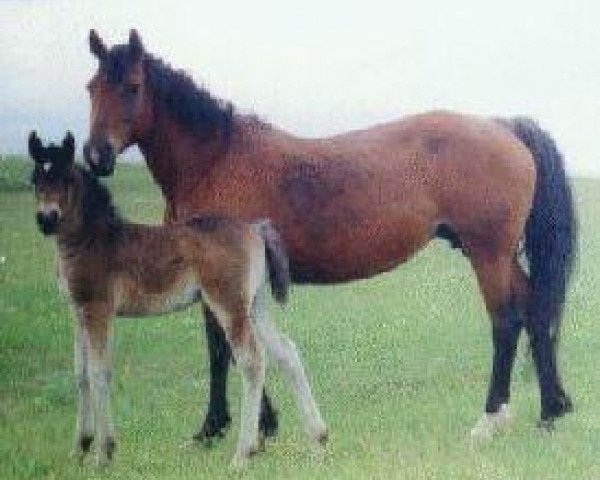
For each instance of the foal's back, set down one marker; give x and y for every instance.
(157, 269)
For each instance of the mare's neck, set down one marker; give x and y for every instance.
(177, 158)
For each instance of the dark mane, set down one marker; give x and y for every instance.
(100, 218)
(192, 106)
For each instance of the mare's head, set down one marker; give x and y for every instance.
(121, 109)
(53, 178)
(132, 90)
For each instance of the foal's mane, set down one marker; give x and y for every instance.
(100, 218)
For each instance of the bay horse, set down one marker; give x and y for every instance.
(110, 267)
(356, 204)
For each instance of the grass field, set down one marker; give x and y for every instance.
(399, 365)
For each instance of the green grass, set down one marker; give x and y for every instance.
(399, 365)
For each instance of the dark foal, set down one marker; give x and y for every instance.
(110, 267)
(356, 204)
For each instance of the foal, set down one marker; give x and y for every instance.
(112, 267)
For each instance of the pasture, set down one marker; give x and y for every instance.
(399, 366)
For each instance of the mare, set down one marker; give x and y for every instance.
(111, 267)
(356, 204)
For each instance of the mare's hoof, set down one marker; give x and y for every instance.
(546, 426)
(214, 427)
(556, 407)
(491, 424)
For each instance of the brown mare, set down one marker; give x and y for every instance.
(110, 267)
(356, 204)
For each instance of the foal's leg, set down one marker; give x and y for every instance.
(97, 326)
(287, 358)
(500, 284)
(84, 430)
(250, 359)
(217, 418)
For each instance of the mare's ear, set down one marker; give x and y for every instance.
(97, 46)
(35, 146)
(68, 146)
(136, 48)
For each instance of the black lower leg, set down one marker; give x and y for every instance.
(85, 443)
(217, 417)
(506, 329)
(554, 401)
(268, 417)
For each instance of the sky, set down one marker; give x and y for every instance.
(317, 68)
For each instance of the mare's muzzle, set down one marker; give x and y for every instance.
(47, 222)
(100, 157)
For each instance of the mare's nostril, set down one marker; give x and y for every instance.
(91, 155)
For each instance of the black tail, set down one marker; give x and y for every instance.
(277, 260)
(551, 230)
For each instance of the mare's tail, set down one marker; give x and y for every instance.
(551, 229)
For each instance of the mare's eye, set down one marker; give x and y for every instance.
(130, 89)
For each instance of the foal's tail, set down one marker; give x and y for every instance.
(277, 260)
(551, 229)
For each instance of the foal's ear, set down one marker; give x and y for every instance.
(35, 146)
(136, 48)
(68, 145)
(97, 46)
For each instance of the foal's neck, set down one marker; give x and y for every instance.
(91, 220)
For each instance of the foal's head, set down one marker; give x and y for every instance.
(53, 177)
(121, 108)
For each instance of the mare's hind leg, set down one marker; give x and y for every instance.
(283, 350)
(554, 401)
(217, 418)
(501, 283)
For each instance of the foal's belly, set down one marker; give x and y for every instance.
(134, 299)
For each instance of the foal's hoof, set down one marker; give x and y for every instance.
(106, 452)
(214, 427)
(491, 424)
(83, 444)
(239, 463)
(322, 437)
(241, 460)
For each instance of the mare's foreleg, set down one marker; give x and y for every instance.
(217, 418)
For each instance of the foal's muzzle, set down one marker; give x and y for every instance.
(100, 157)
(47, 222)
